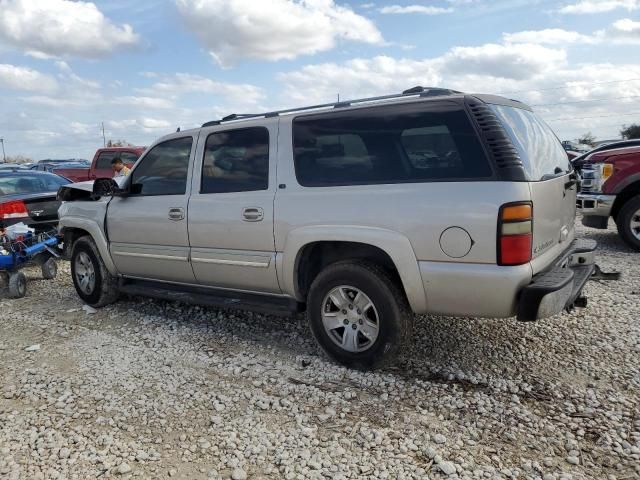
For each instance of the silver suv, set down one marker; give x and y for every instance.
(362, 213)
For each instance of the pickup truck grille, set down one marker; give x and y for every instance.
(589, 182)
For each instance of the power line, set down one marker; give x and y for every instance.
(595, 116)
(570, 86)
(584, 101)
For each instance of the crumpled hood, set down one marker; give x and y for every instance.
(76, 191)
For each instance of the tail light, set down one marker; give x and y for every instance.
(515, 233)
(13, 209)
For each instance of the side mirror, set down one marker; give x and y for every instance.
(106, 187)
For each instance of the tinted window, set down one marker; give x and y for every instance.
(236, 161)
(128, 158)
(539, 148)
(163, 171)
(409, 143)
(12, 185)
(104, 160)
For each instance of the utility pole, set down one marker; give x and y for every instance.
(104, 139)
(4, 155)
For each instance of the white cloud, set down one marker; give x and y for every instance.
(59, 28)
(22, 78)
(600, 6)
(421, 9)
(549, 36)
(183, 83)
(232, 30)
(144, 102)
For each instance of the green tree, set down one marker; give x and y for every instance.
(587, 139)
(631, 131)
(118, 143)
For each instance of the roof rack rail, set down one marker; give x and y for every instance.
(420, 91)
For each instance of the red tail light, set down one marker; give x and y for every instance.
(13, 209)
(515, 233)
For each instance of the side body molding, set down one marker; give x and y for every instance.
(397, 246)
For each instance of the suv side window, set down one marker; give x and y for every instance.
(104, 160)
(236, 161)
(163, 171)
(385, 145)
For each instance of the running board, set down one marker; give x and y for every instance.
(268, 304)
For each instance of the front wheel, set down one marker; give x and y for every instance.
(94, 284)
(17, 285)
(358, 314)
(628, 221)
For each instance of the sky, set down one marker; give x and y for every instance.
(144, 68)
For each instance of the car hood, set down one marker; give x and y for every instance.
(76, 191)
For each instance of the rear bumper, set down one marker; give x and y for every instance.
(558, 288)
(591, 204)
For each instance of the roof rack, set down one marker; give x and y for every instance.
(415, 91)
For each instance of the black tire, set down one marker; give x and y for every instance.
(49, 269)
(4, 279)
(394, 317)
(17, 285)
(629, 213)
(105, 286)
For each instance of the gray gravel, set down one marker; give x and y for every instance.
(147, 389)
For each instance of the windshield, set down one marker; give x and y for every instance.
(25, 184)
(541, 152)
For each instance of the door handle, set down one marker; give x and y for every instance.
(252, 214)
(176, 214)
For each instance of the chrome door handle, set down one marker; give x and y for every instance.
(252, 214)
(176, 214)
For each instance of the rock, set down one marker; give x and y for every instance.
(32, 348)
(64, 453)
(448, 468)
(123, 468)
(173, 472)
(239, 474)
(573, 460)
(439, 438)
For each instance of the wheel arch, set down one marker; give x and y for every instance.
(389, 249)
(75, 227)
(627, 193)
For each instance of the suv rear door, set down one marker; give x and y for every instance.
(231, 207)
(551, 182)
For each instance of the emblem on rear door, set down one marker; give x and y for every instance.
(37, 213)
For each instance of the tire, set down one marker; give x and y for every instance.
(49, 269)
(352, 339)
(17, 285)
(4, 279)
(628, 222)
(94, 284)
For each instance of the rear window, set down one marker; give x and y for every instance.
(24, 184)
(104, 160)
(400, 144)
(541, 152)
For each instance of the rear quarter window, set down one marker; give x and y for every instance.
(418, 142)
(539, 149)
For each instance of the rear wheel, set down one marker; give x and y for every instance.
(93, 282)
(358, 314)
(628, 222)
(17, 285)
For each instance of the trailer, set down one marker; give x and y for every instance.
(25, 250)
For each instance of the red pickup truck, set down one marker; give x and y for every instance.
(101, 164)
(611, 188)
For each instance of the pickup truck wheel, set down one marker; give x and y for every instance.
(358, 314)
(94, 284)
(628, 222)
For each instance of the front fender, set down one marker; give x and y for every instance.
(70, 217)
(397, 246)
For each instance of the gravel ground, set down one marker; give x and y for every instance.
(150, 389)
